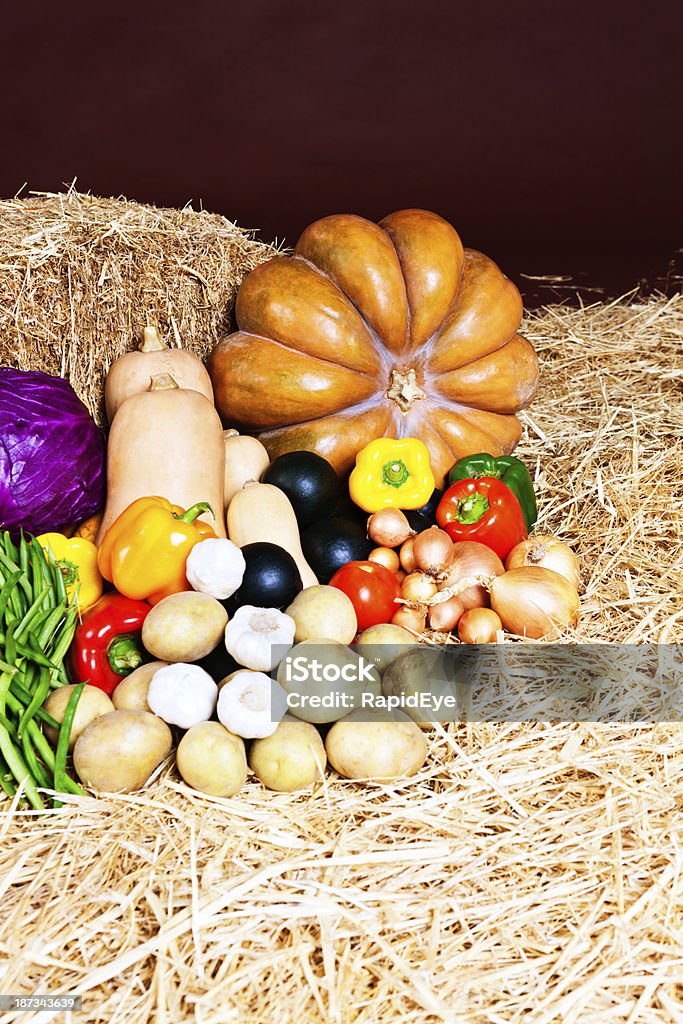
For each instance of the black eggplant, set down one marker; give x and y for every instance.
(310, 483)
(331, 543)
(271, 578)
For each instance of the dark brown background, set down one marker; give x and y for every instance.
(548, 132)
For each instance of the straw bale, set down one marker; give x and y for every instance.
(528, 872)
(81, 276)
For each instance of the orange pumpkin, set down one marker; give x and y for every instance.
(372, 330)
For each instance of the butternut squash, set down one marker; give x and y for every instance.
(131, 373)
(262, 512)
(245, 459)
(166, 441)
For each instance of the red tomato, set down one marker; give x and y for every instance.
(372, 590)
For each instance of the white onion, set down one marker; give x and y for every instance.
(412, 619)
(471, 560)
(548, 552)
(386, 557)
(389, 528)
(445, 616)
(535, 602)
(418, 587)
(479, 626)
(433, 550)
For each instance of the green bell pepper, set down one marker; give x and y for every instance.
(507, 468)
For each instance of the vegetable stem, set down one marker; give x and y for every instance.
(472, 508)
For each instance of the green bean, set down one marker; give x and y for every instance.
(49, 757)
(8, 725)
(58, 580)
(65, 636)
(37, 701)
(34, 653)
(49, 627)
(6, 779)
(23, 553)
(11, 561)
(14, 599)
(40, 571)
(63, 741)
(35, 612)
(10, 647)
(6, 593)
(18, 700)
(34, 766)
(11, 550)
(17, 767)
(37, 625)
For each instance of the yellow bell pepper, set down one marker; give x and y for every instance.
(144, 551)
(390, 473)
(77, 560)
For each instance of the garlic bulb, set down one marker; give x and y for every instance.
(251, 704)
(182, 695)
(215, 566)
(259, 638)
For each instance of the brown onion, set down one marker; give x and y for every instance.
(412, 619)
(433, 550)
(479, 626)
(386, 557)
(418, 587)
(389, 528)
(407, 555)
(445, 616)
(548, 552)
(400, 575)
(471, 560)
(535, 602)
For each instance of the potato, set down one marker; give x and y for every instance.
(381, 644)
(184, 627)
(118, 752)
(292, 758)
(212, 759)
(92, 703)
(367, 745)
(131, 693)
(325, 680)
(323, 611)
(424, 673)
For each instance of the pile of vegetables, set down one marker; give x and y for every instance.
(156, 615)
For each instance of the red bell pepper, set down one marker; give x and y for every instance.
(106, 645)
(484, 510)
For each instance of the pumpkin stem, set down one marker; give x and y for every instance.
(151, 341)
(161, 382)
(403, 389)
